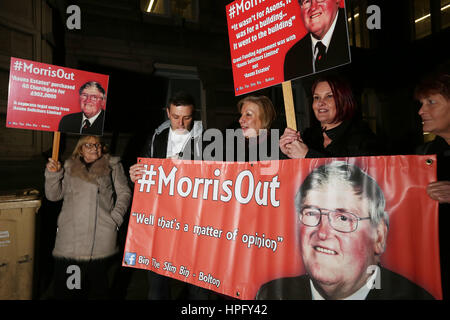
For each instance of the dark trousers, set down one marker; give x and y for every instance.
(161, 289)
(82, 280)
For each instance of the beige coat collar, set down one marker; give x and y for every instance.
(98, 169)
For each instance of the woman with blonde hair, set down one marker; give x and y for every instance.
(257, 115)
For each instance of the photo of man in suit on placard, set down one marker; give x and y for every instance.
(325, 45)
(92, 116)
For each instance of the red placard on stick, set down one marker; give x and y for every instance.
(262, 32)
(41, 94)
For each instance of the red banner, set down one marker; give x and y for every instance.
(260, 34)
(41, 94)
(232, 227)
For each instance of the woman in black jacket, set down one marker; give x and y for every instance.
(339, 133)
(433, 92)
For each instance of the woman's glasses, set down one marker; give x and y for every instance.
(92, 145)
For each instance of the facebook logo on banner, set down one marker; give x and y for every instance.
(130, 258)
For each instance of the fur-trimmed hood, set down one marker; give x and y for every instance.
(99, 168)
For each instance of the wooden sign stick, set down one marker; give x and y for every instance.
(55, 152)
(289, 105)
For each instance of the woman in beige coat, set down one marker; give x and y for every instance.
(96, 196)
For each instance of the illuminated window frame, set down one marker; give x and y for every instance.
(427, 18)
(358, 32)
(164, 8)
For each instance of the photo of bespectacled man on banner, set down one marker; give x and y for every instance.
(332, 228)
(342, 236)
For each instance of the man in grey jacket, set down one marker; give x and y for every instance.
(180, 137)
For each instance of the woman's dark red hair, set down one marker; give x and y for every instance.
(342, 94)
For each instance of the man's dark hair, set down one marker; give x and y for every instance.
(92, 84)
(181, 98)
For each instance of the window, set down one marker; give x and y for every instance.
(422, 18)
(357, 31)
(445, 14)
(430, 16)
(187, 9)
(350, 26)
(156, 7)
(357, 24)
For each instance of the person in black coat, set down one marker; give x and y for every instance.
(433, 92)
(342, 237)
(92, 116)
(339, 132)
(324, 46)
